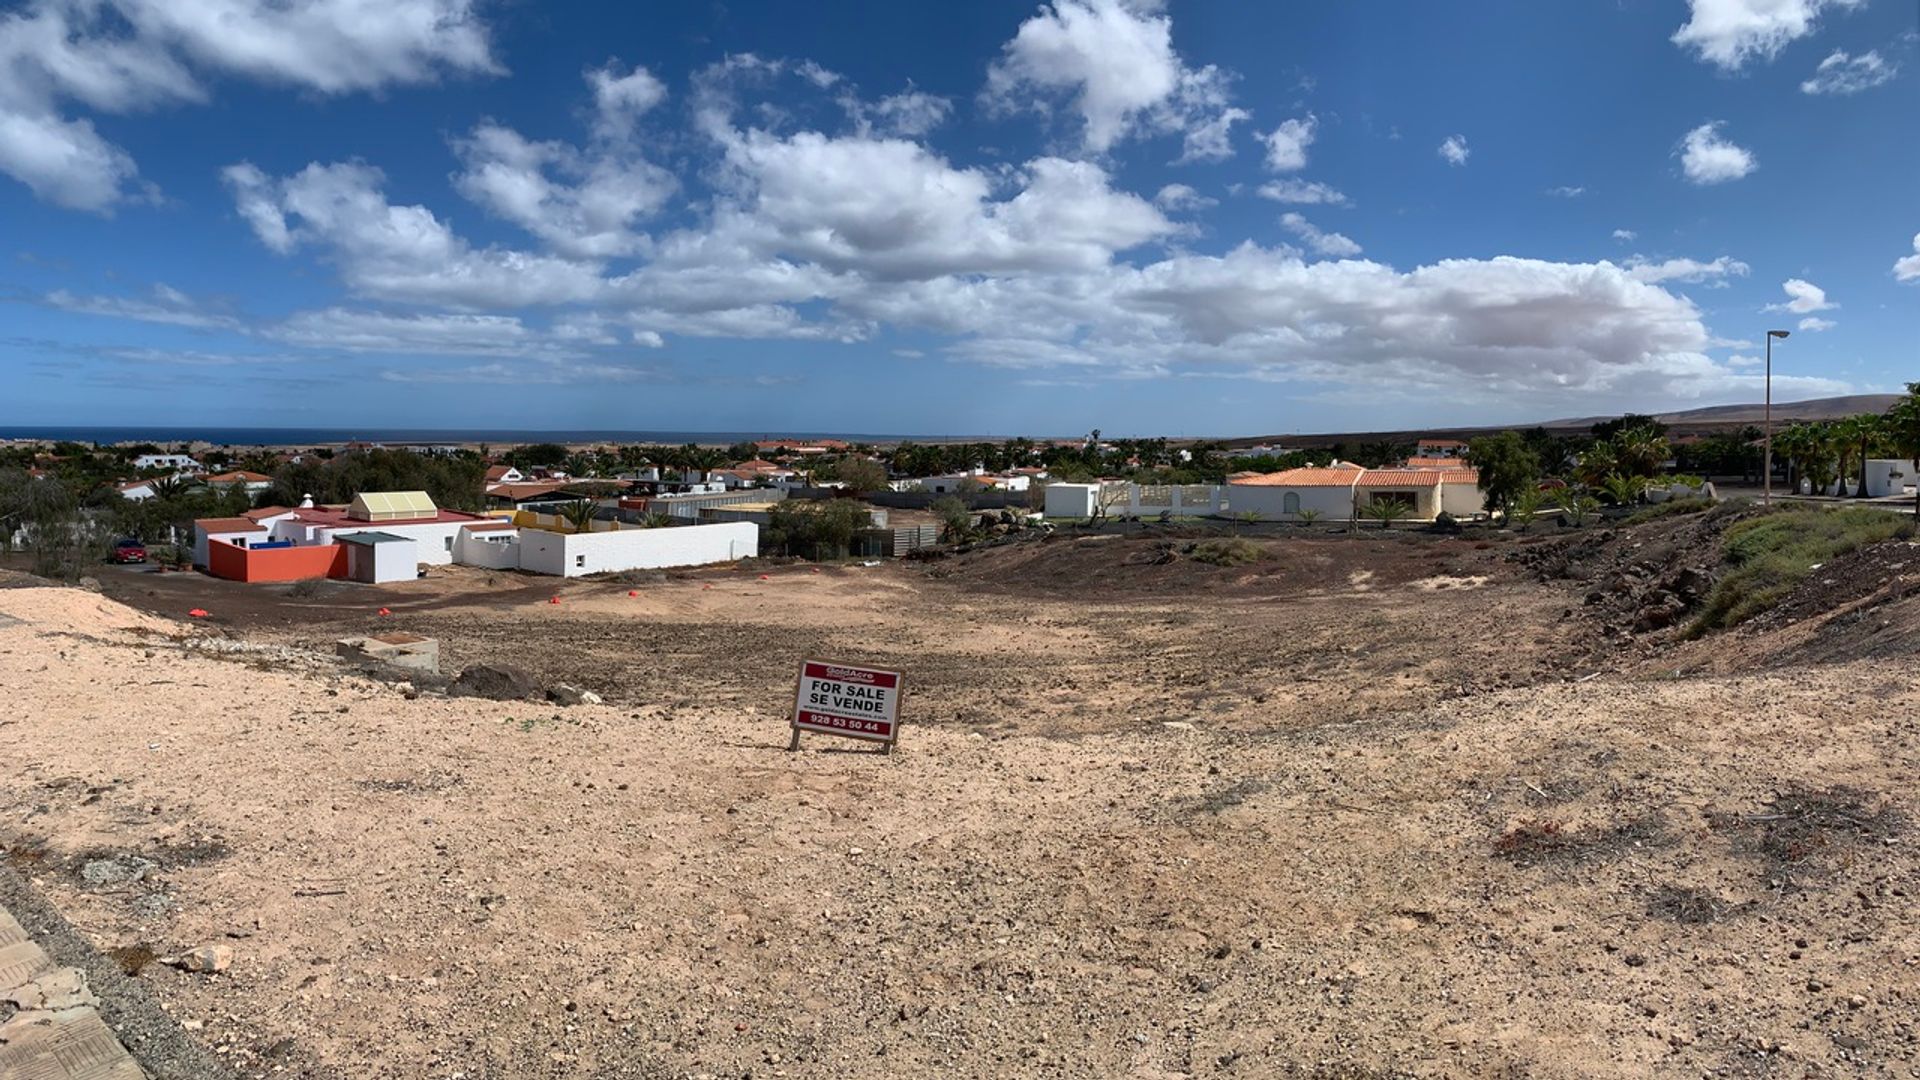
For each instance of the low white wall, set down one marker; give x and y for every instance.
(239, 539)
(637, 549)
(488, 554)
(1333, 503)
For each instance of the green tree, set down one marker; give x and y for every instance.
(1386, 511)
(1507, 468)
(956, 521)
(860, 474)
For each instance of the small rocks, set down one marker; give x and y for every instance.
(116, 870)
(205, 960)
(562, 694)
(499, 682)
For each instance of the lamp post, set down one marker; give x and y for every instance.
(1767, 466)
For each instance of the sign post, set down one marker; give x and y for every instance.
(847, 700)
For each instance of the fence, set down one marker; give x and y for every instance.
(236, 563)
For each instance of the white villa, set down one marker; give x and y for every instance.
(1342, 491)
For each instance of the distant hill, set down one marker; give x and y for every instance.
(1816, 409)
(1683, 422)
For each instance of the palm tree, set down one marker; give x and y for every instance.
(1863, 432)
(579, 514)
(1640, 450)
(1624, 489)
(1599, 462)
(1386, 511)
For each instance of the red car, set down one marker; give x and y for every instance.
(129, 550)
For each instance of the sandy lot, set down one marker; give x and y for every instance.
(1372, 808)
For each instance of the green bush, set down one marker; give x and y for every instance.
(1232, 551)
(1773, 553)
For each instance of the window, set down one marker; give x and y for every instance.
(449, 543)
(580, 560)
(1290, 503)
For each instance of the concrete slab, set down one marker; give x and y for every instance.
(404, 650)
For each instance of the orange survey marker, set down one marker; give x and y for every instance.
(198, 613)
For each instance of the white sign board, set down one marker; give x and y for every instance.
(846, 699)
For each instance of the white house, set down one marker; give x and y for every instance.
(1889, 476)
(136, 490)
(252, 483)
(182, 462)
(577, 554)
(1343, 490)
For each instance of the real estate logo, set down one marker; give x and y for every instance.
(848, 700)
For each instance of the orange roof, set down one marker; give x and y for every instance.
(1400, 478)
(267, 512)
(1341, 474)
(497, 473)
(528, 490)
(758, 465)
(1460, 476)
(239, 476)
(227, 525)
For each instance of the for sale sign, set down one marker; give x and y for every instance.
(846, 699)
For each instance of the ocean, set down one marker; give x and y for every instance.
(245, 436)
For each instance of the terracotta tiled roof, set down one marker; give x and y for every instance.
(526, 491)
(1400, 478)
(238, 476)
(227, 525)
(1460, 476)
(265, 512)
(497, 473)
(1340, 475)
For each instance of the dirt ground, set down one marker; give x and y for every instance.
(1375, 806)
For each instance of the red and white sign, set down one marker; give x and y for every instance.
(842, 699)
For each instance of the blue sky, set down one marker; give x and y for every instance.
(1191, 218)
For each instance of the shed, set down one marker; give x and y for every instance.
(375, 557)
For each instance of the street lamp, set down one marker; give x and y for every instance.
(1767, 466)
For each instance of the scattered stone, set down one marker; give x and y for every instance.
(116, 870)
(205, 960)
(500, 682)
(563, 694)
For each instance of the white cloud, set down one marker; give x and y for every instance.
(1212, 140)
(1321, 243)
(1625, 235)
(1843, 74)
(619, 100)
(1177, 197)
(1815, 324)
(1567, 191)
(167, 306)
(1803, 297)
(1287, 144)
(1454, 150)
(402, 253)
(1728, 33)
(128, 55)
(1708, 158)
(1301, 192)
(428, 334)
(909, 113)
(1685, 270)
(1908, 267)
(1116, 63)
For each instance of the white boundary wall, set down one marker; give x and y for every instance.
(637, 549)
